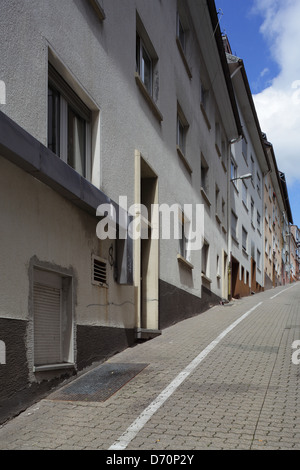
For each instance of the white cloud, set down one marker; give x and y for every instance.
(278, 106)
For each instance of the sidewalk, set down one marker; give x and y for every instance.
(244, 394)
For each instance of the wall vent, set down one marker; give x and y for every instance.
(99, 271)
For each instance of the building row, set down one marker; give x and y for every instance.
(117, 119)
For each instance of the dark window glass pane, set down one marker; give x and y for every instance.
(76, 142)
(181, 35)
(53, 120)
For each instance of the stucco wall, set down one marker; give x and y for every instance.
(37, 222)
(99, 58)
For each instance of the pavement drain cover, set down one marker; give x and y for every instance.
(99, 384)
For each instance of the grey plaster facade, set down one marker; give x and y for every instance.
(48, 208)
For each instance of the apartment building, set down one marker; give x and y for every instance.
(286, 222)
(276, 209)
(249, 165)
(109, 106)
(295, 253)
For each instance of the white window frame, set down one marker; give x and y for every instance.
(141, 52)
(184, 236)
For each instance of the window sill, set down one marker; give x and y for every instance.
(235, 188)
(205, 278)
(205, 197)
(186, 65)
(184, 160)
(148, 98)
(218, 219)
(98, 9)
(205, 116)
(235, 240)
(245, 207)
(65, 365)
(185, 262)
(218, 150)
(224, 166)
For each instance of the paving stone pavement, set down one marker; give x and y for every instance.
(244, 394)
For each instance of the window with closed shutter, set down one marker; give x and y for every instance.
(52, 319)
(47, 324)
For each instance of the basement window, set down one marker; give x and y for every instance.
(52, 320)
(99, 271)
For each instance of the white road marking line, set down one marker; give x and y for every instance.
(281, 292)
(144, 417)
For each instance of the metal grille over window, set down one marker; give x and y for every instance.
(99, 271)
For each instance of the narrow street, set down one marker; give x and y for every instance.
(222, 380)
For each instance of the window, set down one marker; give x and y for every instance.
(224, 154)
(258, 184)
(69, 125)
(252, 211)
(182, 128)
(223, 208)
(218, 266)
(147, 68)
(182, 31)
(52, 320)
(218, 138)
(204, 175)
(184, 227)
(204, 104)
(204, 97)
(180, 135)
(245, 194)
(244, 238)
(144, 64)
(217, 194)
(258, 260)
(234, 221)
(233, 170)
(258, 221)
(205, 258)
(181, 35)
(252, 170)
(245, 148)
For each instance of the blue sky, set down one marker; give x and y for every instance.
(266, 35)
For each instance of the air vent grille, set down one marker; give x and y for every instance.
(99, 271)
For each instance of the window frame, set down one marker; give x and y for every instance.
(244, 239)
(50, 280)
(68, 101)
(234, 227)
(140, 49)
(184, 241)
